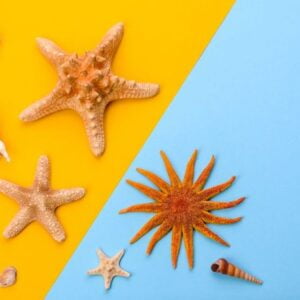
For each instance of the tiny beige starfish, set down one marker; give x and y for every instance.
(87, 85)
(39, 202)
(109, 267)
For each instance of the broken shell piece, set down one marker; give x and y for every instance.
(8, 277)
(3, 151)
(224, 267)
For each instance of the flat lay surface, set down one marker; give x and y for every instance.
(161, 44)
(240, 103)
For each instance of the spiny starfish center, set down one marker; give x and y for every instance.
(86, 77)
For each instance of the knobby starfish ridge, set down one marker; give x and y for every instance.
(39, 202)
(181, 206)
(87, 85)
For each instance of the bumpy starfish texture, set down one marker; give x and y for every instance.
(181, 206)
(109, 267)
(87, 85)
(39, 202)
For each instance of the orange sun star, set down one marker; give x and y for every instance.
(181, 206)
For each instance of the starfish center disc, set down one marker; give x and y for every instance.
(180, 201)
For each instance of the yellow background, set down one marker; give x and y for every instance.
(162, 41)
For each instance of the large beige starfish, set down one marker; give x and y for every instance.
(87, 85)
(39, 202)
(109, 267)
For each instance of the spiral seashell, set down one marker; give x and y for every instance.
(8, 277)
(224, 267)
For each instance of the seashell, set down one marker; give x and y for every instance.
(3, 151)
(224, 267)
(8, 277)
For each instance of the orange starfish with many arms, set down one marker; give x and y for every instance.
(181, 206)
(87, 85)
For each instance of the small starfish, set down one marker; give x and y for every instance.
(87, 85)
(39, 202)
(109, 267)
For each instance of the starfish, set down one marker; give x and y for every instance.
(39, 202)
(109, 267)
(87, 85)
(181, 206)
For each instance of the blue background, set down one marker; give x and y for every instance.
(242, 103)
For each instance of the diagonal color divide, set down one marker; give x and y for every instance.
(241, 102)
(161, 44)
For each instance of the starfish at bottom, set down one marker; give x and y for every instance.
(39, 202)
(109, 267)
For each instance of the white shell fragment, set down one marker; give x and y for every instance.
(8, 277)
(3, 151)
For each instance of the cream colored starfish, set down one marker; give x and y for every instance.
(39, 202)
(109, 267)
(87, 85)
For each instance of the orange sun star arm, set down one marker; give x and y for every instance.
(151, 193)
(189, 172)
(215, 190)
(202, 228)
(163, 229)
(200, 182)
(175, 244)
(160, 183)
(153, 222)
(187, 231)
(145, 207)
(175, 181)
(213, 219)
(213, 205)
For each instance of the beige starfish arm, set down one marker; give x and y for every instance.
(50, 50)
(163, 229)
(160, 183)
(107, 280)
(202, 228)
(42, 174)
(187, 232)
(116, 258)
(18, 193)
(64, 196)
(54, 102)
(52, 225)
(121, 272)
(213, 219)
(110, 43)
(94, 125)
(101, 255)
(23, 218)
(189, 171)
(175, 244)
(201, 180)
(94, 271)
(130, 89)
(174, 179)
